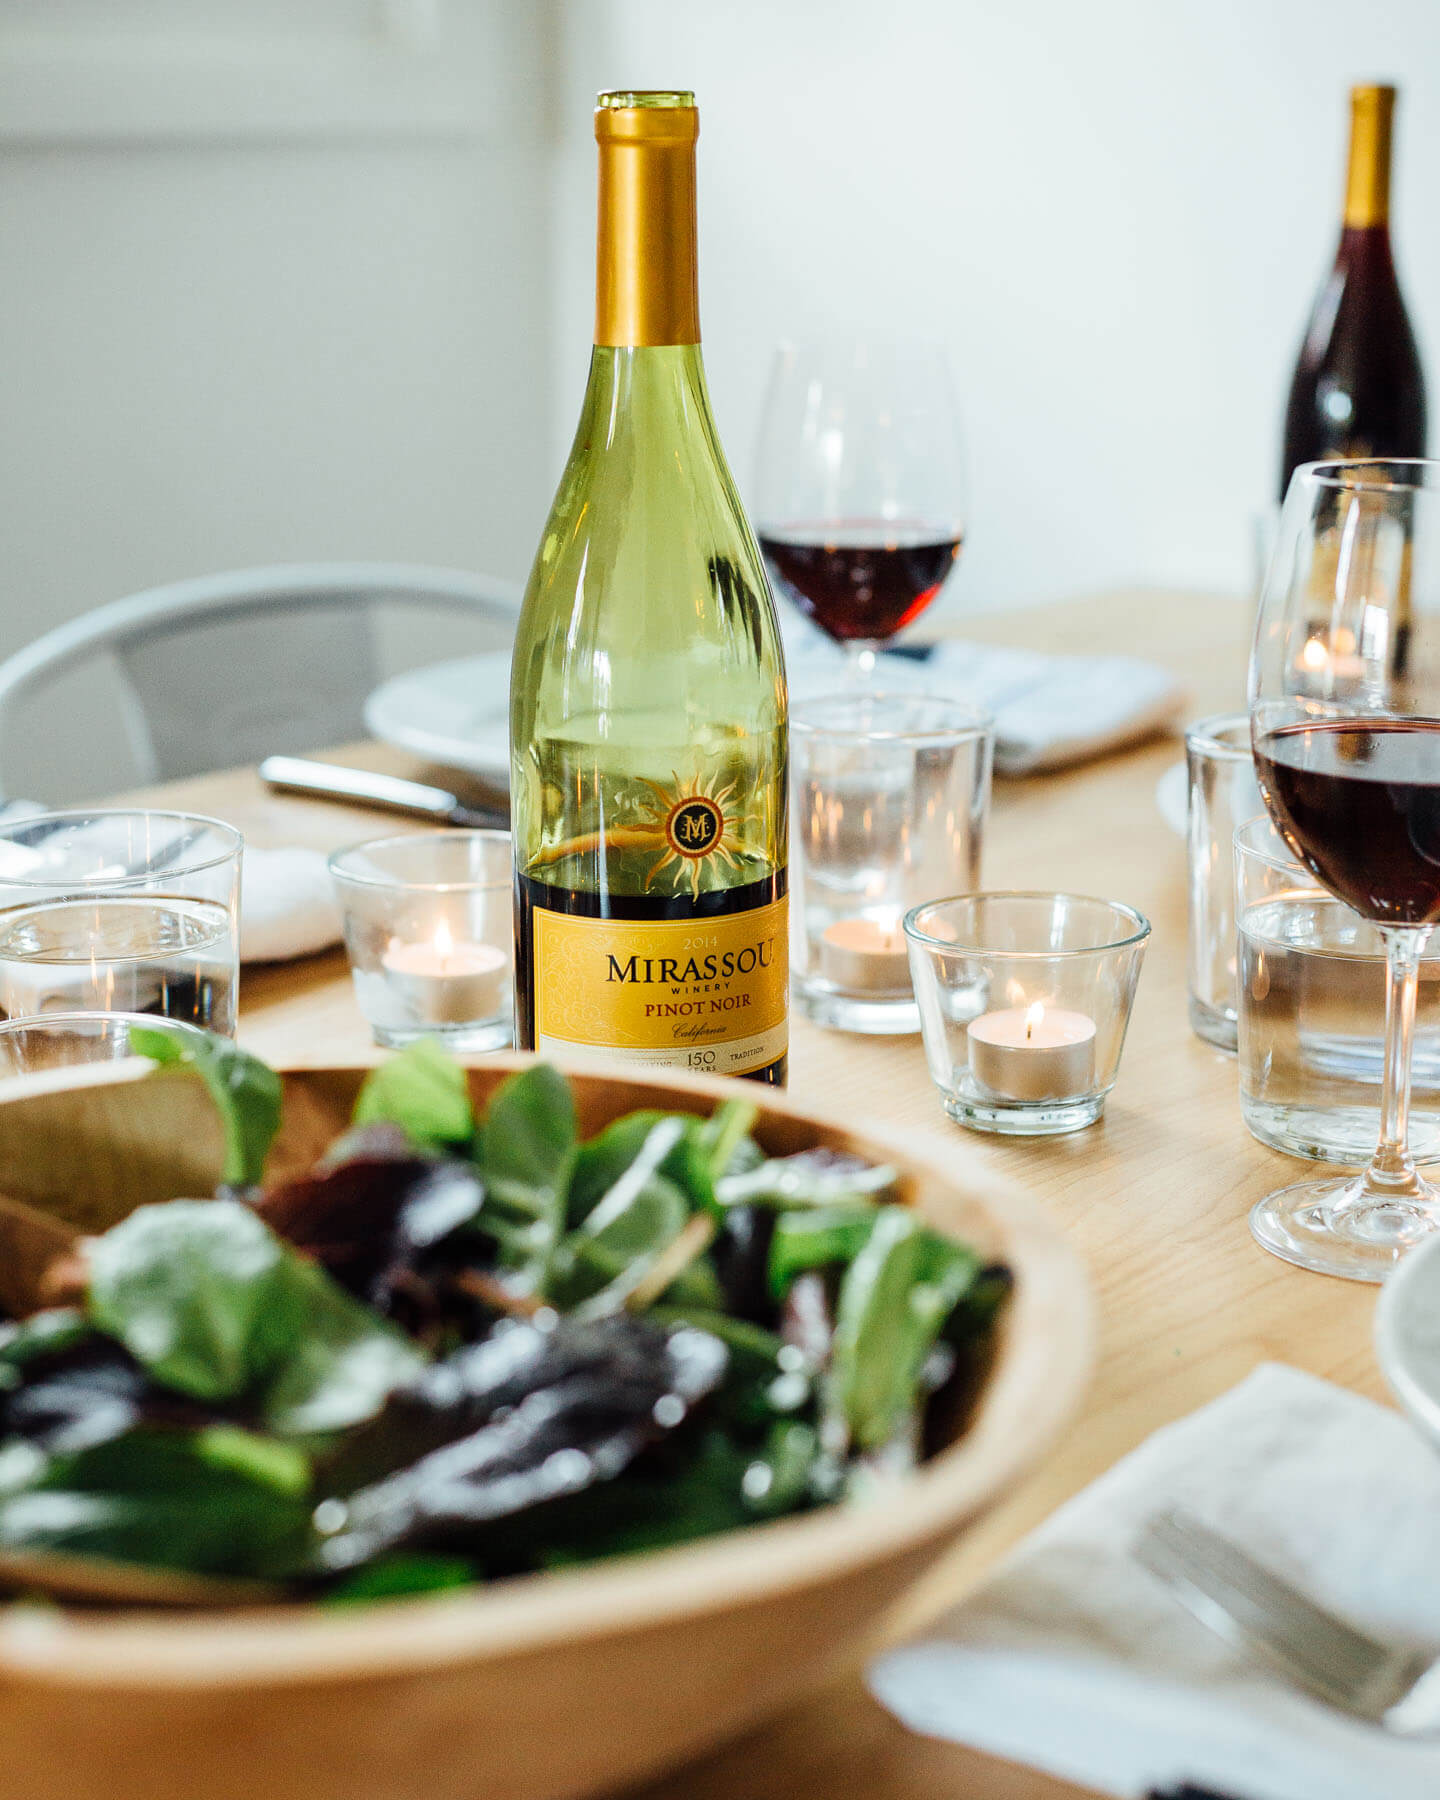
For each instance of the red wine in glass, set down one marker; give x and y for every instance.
(1359, 801)
(861, 580)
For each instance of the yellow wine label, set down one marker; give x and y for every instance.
(704, 994)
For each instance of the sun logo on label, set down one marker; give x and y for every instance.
(691, 819)
(694, 827)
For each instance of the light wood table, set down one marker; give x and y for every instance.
(1155, 1196)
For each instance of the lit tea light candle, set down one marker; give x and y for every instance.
(1332, 662)
(865, 955)
(443, 982)
(1033, 1052)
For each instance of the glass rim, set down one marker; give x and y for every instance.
(1140, 932)
(860, 348)
(1271, 858)
(10, 829)
(95, 1015)
(1339, 473)
(1204, 735)
(399, 884)
(978, 722)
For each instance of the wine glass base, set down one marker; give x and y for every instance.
(1318, 1225)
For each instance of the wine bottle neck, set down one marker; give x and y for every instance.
(1367, 183)
(646, 285)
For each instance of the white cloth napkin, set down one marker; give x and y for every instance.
(287, 904)
(1049, 710)
(1075, 1659)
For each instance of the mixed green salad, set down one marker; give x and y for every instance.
(459, 1348)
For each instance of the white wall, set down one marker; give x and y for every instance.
(312, 278)
(1116, 214)
(275, 287)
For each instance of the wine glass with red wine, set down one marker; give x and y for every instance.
(1345, 722)
(860, 493)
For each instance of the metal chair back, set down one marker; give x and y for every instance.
(229, 668)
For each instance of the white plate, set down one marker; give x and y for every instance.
(1407, 1336)
(1172, 796)
(457, 713)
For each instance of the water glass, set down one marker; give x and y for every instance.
(428, 924)
(1312, 1014)
(1024, 1004)
(891, 793)
(53, 1041)
(1223, 795)
(130, 912)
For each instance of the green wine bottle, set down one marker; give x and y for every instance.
(647, 700)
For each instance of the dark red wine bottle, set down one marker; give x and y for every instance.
(1358, 388)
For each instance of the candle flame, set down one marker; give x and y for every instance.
(444, 942)
(1034, 1013)
(1314, 656)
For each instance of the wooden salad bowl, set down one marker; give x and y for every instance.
(539, 1687)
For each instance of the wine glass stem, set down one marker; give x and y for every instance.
(1392, 1172)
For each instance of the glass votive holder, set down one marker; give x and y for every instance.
(51, 1041)
(427, 920)
(890, 794)
(1024, 1003)
(1312, 1014)
(1222, 795)
(120, 911)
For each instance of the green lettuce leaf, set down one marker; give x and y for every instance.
(215, 1502)
(245, 1090)
(526, 1152)
(895, 1299)
(424, 1091)
(206, 1297)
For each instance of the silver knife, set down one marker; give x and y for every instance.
(387, 793)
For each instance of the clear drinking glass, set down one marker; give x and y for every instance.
(1024, 1004)
(860, 485)
(52, 1041)
(1222, 795)
(428, 924)
(1345, 714)
(890, 797)
(1312, 1014)
(120, 912)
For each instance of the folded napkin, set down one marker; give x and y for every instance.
(1049, 710)
(1075, 1659)
(287, 905)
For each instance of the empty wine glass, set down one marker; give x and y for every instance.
(860, 485)
(1345, 721)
